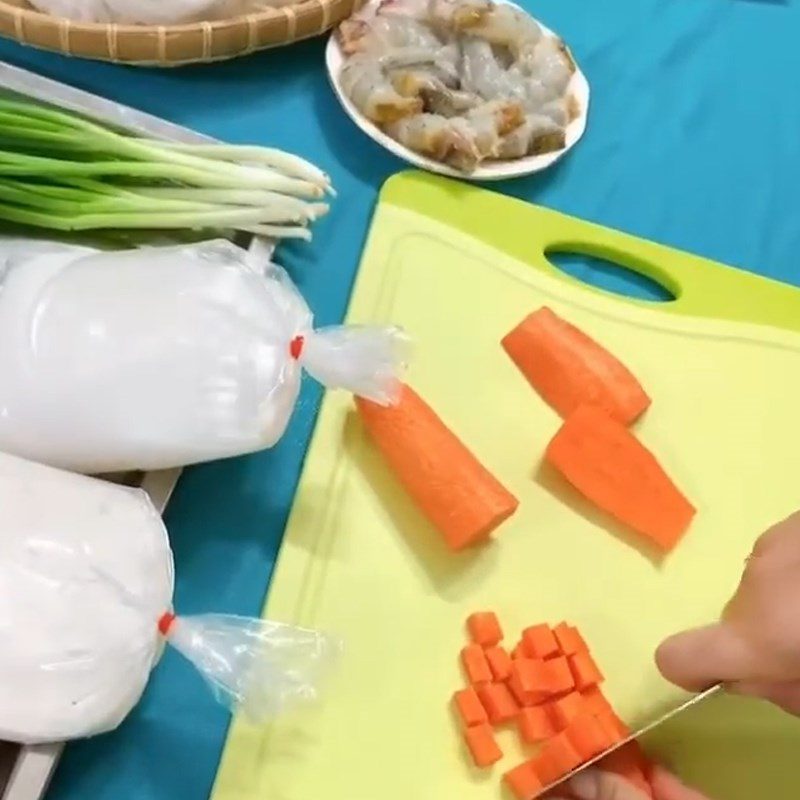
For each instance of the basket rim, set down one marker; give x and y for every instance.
(41, 18)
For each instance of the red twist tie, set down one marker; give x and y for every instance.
(165, 623)
(296, 347)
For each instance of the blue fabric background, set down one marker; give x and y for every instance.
(693, 140)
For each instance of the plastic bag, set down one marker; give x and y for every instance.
(86, 583)
(150, 12)
(148, 359)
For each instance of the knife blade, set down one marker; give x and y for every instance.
(692, 701)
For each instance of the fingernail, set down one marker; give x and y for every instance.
(585, 785)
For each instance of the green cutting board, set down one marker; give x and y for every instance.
(458, 267)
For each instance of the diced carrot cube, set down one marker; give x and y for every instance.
(613, 725)
(498, 701)
(546, 768)
(475, 664)
(518, 652)
(538, 641)
(588, 736)
(569, 639)
(530, 680)
(561, 679)
(565, 709)
(482, 745)
(563, 754)
(470, 707)
(499, 662)
(484, 628)
(596, 701)
(585, 671)
(523, 781)
(535, 725)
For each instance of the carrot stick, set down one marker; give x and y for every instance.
(462, 499)
(604, 461)
(569, 369)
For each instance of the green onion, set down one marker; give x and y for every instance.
(66, 173)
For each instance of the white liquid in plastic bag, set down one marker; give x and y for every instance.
(85, 569)
(144, 359)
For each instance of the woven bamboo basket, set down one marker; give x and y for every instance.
(173, 45)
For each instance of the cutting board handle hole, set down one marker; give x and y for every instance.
(631, 279)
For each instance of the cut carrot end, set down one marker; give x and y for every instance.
(606, 463)
(470, 707)
(461, 498)
(484, 628)
(499, 663)
(482, 745)
(569, 369)
(475, 664)
(523, 782)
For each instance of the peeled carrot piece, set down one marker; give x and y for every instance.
(632, 764)
(470, 707)
(535, 725)
(538, 641)
(596, 702)
(484, 628)
(588, 736)
(498, 701)
(475, 664)
(569, 369)
(523, 781)
(561, 675)
(604, 461)
(462, 499)
(584, 671)
(481, 743)
(499, 663)
(566, 709)
(569, 639)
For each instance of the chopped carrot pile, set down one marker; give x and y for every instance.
(607, 464)
(550, 689)
(569, 369)
(460, 497)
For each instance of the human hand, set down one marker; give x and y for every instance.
(755, 648)
(594, 784)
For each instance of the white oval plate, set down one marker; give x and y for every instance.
(489, 170)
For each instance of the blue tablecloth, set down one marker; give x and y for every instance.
(694, 140)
